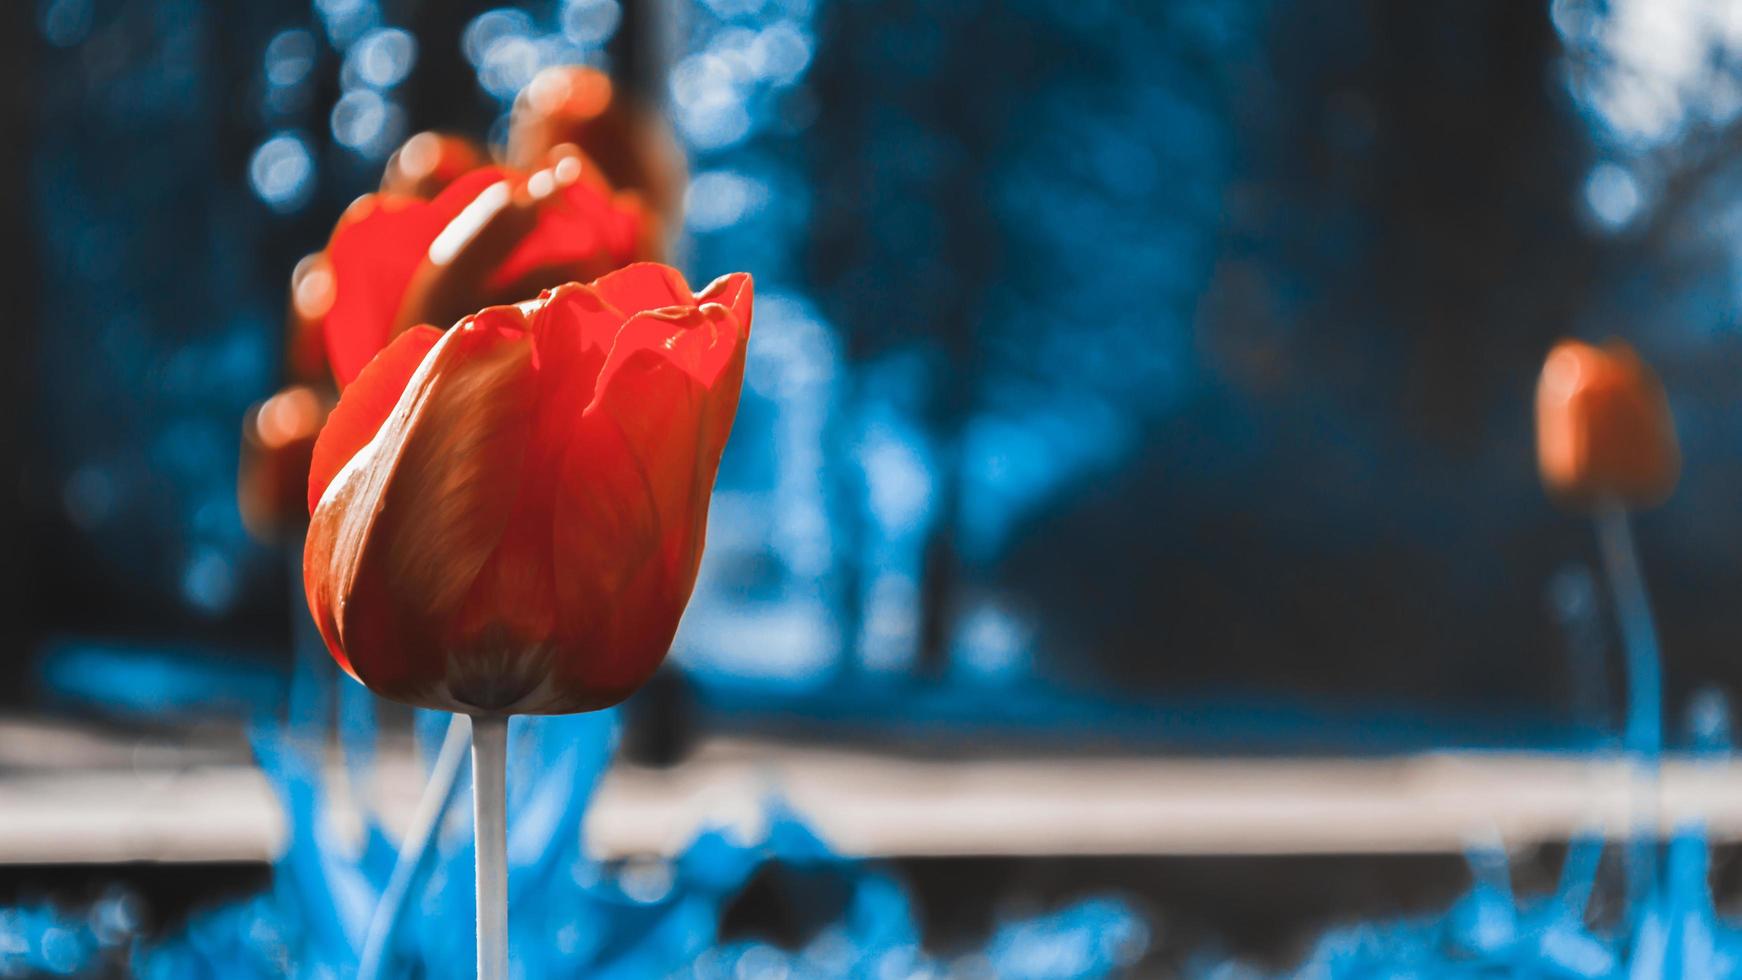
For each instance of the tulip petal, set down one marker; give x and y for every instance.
(644, 286)
(401, 534)
(375, 251)
(365, 405)
(450, 281)
(734, 291)
(572, 329)
(636, 484)
(458, 462)
(583, 229)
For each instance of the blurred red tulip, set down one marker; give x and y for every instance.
(311, 296)
(508, 517)
(492, 236)
(278, 437)
(1603, 427)
(576, 109)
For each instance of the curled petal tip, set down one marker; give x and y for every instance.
(735, 291)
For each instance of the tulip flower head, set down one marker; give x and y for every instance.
(508, 516)
(493, 235)
(574, 109)
(1603, 427)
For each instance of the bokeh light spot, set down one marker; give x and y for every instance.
(1613, 195)
(490, 27)
(282, 172)
(382, 58)
(66, 23)
(720, 199)
(368, 123)
(290, 56)
(208, 583)
(591, 22)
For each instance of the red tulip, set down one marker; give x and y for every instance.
(492, 236)
(1603, 427)
(569, 109)
(508, 517)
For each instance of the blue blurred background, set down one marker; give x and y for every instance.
(1128, 378)
(1150, 369)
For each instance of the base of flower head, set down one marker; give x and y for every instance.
(508, 680)
(504, 681)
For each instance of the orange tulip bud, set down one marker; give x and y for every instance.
(1603, 427)
(508, 517)
(278, 438)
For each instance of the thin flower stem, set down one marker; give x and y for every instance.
(417, 849)
(1643, 737)
(490, 823)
